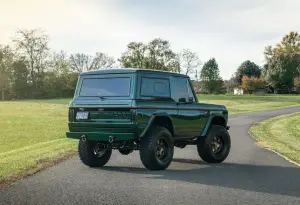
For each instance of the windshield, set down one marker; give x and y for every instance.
(105, 87)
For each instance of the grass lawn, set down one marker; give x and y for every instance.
(281, 134)
(32, 137)
(250, 103)
(33, 131)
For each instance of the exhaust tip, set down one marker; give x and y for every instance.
(111, 139)
(83, 138)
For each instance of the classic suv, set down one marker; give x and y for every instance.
(147, 110)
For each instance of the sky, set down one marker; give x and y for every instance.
(231, 31)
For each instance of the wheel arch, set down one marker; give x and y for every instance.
(216, 119)
(160, 119)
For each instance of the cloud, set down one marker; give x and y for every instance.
(231, 31)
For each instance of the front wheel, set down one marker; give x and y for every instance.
(157, 149)
(215, 147)
(91, 154)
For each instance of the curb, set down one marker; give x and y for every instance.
(272, 150)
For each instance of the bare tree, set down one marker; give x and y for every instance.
(60, 62)
(102, 61)
(81, 62)
(188, 61)
(33, 45)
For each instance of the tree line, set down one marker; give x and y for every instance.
(30, 69)
(279, 74)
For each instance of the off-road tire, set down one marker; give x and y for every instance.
(88, 157)
(204, 147)
(148, 148)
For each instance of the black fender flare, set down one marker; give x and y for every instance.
(210, 118)
(152, 118)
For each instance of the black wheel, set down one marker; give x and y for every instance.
(125, 151)
(215, 147)
(91, 154)
(157, 149)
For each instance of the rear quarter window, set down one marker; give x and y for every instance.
(155, 87)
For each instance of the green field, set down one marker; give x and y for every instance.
(32, 137)
(33, 132)
(281, 134)
(250, 103)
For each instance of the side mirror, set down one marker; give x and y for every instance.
(182, 100)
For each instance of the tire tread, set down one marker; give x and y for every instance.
(203, 147)
(147, 145)
(86, 156)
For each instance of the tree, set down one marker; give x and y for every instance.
(251, 84)
(4, 83)
(6, 60)
(249, 69)
(210, 76)
(82, 62)
(60, 62)
(156, 55)
(282, 62)
(19, 79)
(160, 55)
(188, 61)
(102, 61)
(290, 44)
(282, 69)
(135, 56)
(231, 84)
(297, 84)
(33, 46)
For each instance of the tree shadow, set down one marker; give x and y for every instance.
(258, 178)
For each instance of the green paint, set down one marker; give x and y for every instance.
(129, 117)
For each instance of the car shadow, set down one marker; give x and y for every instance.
(258, 178)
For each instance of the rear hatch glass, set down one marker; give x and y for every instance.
(105, 87)
(104, 98)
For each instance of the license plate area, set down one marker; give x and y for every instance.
(82, 115)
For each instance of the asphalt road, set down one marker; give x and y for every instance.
(250, 175)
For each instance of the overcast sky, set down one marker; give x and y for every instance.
(231, 31)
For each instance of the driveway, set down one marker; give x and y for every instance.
(250, 175)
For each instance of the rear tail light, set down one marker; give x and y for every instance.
(71, 115)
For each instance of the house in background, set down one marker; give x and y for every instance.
(238, 91)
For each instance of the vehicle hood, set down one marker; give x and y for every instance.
(213, 107)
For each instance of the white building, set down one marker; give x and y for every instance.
(238, 91)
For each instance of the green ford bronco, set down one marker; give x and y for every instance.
(147, 110)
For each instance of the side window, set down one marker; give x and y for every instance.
(155, 87)
(190, 91)
(181, 88)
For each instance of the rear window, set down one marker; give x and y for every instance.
(118, 87)
(154, 87)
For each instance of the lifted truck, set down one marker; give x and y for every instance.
(147, 110)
